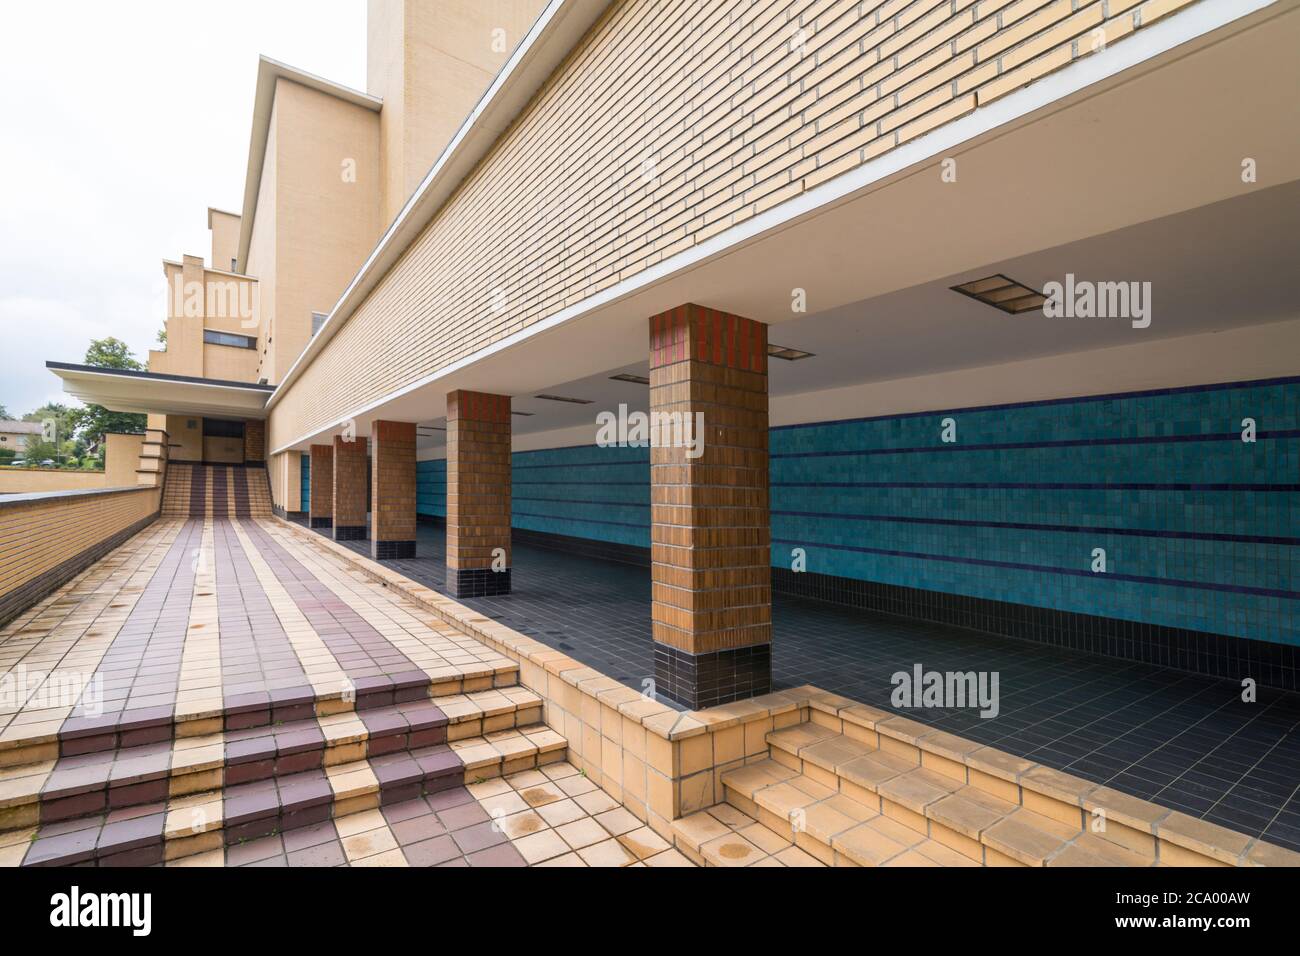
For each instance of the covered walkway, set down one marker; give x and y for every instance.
(1177, 739)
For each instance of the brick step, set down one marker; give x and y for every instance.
(989, 807)
(51, 791)
(723, 835)
(197, 823)
(811, 763)
(107, 732)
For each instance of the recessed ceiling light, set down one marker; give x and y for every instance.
(634, 379)
(790, 355)
(432, 428)
(1002, 293)
(563, 398)
(524, 414)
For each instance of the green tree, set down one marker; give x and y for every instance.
(59, 446)
(93, 421)
(38, 450)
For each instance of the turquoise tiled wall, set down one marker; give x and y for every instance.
(431, 488)
(306, 482)
(1200, 529)
(598, 493)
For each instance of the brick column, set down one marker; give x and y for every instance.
(254, 441)
(321, 485)
(478, 494)
(392, 496)
(710, 535)
(350, 463)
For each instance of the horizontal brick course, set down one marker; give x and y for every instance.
(670, 123)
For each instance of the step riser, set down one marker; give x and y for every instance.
(315, 803)
(306, 811)
(159, 728)
(257, 759)
(1007, 812)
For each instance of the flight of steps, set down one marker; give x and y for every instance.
(221, 491)
(855, 786)
(155, 791)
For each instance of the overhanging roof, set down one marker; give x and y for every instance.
(121, 390)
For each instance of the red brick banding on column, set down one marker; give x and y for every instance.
(351, 463)
(710, 528)
(478, 493)
(320, 512)
(254, 441)
(392, 497)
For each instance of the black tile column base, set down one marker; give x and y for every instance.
(718, 677)
(478, 582)
(392, 550)
(349, 532)
(321, 522)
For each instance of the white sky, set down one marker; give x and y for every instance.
(101, 175)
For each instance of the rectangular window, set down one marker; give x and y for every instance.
(212, 337)
(221, 428)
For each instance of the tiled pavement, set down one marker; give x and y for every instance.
(1181, 740)
(553, 816)
(251, 685)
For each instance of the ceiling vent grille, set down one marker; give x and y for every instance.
(1002, 293)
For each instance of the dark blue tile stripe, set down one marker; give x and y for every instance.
(1045, 569)
(1029, 526)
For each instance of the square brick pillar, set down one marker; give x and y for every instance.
(478, 494)
(350, 466)
(710, 528)
(320, 512)
(392, 496)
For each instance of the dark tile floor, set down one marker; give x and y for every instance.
(1182, 740)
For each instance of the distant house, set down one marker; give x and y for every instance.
(15, 435)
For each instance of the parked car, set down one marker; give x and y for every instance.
(18, 462)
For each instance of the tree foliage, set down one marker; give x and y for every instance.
(92, 422)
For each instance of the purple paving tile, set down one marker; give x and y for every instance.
(463, 816)
(433, 852)
(260, 670)
(220, 500)
(302, 838)
(480, 836)
(198, 492)
(138, 675)
(253, 851)
(324, 854)
(239, 486)
(378, 670)
(503, 854)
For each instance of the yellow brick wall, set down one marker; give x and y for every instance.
(729, 107)
(38, 537)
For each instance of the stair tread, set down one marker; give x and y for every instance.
(275, 800)
(865, 836)
(73, 776)
(725, 836)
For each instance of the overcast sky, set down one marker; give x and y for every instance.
(104, 171)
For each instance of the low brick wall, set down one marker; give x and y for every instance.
(17, 481)
(48, 538)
